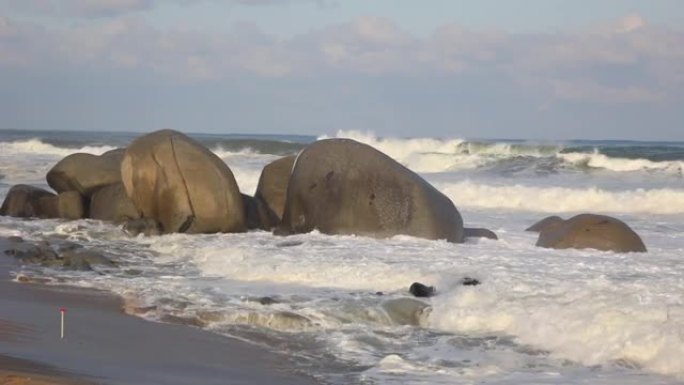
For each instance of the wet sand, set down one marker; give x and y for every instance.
(103, 345)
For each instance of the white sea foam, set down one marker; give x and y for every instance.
(38, 147)
(563, 199)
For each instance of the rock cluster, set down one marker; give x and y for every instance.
(165, 182)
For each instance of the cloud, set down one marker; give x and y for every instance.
(623, 61)
(112, 8)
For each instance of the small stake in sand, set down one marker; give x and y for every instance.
(62, 311)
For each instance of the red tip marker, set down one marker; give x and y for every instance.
(62, 310)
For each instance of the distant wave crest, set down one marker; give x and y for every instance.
(429, 155)
(38, 147)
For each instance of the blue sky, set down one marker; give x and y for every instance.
(530, 69)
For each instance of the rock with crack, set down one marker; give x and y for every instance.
(180, 184)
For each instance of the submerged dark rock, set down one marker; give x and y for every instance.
(422, 291)
(467, 281)
(470, 232)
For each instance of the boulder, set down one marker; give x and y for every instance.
(469, 232)
(271, 191)
(340, 186)
(544, 223)
(70, 205)
(29, 201)
(86, 173)
(182, 185)
(110, 203)
(591, 231)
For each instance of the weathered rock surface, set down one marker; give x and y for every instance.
(111, 203)
(272, 188)
(86, 173)
(70, 205)
(182, 185)
(340, 186)
(591, 231)
(28, 201)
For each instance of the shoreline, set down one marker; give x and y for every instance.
(103, 344)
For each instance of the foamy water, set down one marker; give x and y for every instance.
(340, 303)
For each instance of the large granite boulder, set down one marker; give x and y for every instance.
(111, 203)
(29, 201)
(86, 173)
(183, 186)
(591, 231)
(340, 186)
(272, 188)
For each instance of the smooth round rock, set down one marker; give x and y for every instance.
(591, 231)
(86, 173)
(29, 201)
(340, 186)
(111, 203)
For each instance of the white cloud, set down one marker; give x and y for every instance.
(634, 63)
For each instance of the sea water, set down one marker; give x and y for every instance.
(339, 305)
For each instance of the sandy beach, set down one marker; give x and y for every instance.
(102, 345)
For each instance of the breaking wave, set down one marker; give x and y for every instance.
(441, 155)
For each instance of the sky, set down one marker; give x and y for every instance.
(514, 69)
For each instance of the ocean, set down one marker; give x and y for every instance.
(334, 305)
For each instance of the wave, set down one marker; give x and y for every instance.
(564, 199)
(38, 147)
(430, 155)
(596, 160)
